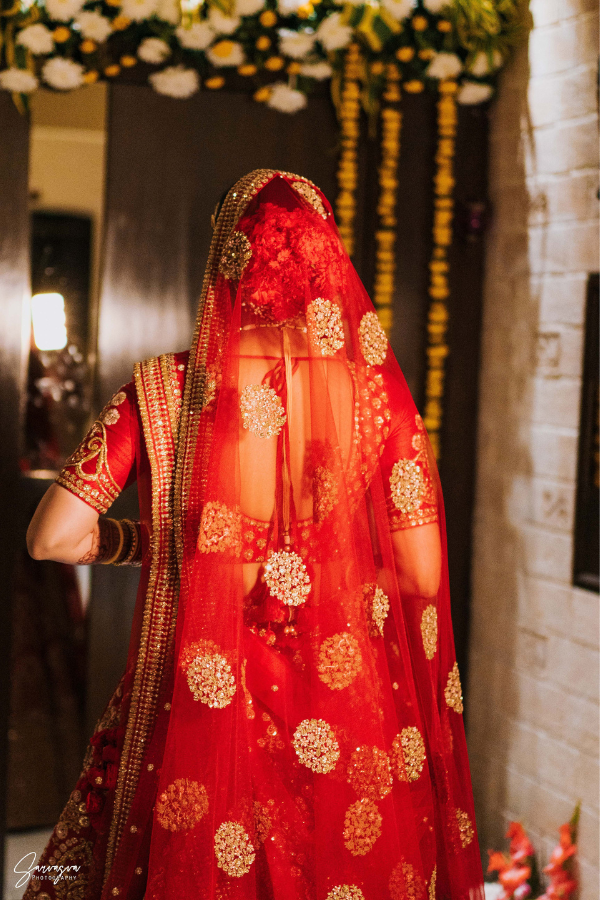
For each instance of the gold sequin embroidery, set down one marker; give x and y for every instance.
(325, 492)
(372, 339)
(182, 805)
(377, 606)
(406, 883)
(369, 773)
(432, 881)
(311, 196)
(453, 691)
(362, 827)
(345, 892)
(262, 410)
(208, 674)
(233, 849)
(465, 827)
(98, 487)
(287, 578)
(325, 328)
(262, 822)
(407, 485)
(408, 754)
(316, 746)
(220, 529)
(429, 630)
(210, 389)
(250, 714)
(236, 256)
(339, 661)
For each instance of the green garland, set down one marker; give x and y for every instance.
(278, 48)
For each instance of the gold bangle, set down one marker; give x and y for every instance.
(134, 543)
(108, 562)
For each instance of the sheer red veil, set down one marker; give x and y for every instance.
(315, 748)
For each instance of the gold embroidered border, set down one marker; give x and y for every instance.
(169, 374)
(153, 384)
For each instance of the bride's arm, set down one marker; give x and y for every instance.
(69, 525)
(67, 530)
(418, 558)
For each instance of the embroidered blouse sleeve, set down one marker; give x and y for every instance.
(104, 463)
(409, 489)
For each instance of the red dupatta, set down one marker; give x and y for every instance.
(315, 747)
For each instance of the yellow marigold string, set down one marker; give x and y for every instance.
(385, 236)
(439, 267)
(347, 173)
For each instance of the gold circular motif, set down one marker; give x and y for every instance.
(339, 661)
(453, 691)
(262, 410)
(182, 805)
(406, 883)
(110, 416)
(209, 674)
(408, 754)
(236, 256)
(316, 746)
(372, 339)
(345, 892)
(325, 328)
(233, 849)
(311, 196)
(429, 630)
(377, 608)
(119, 398)
(362, 827)
(407, 485)
(287, 578)
(220, 529)
(369, 773)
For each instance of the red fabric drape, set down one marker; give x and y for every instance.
(315, 747)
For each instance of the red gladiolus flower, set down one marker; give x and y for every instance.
(520, 845)
(514, 877)
(560, 868)
(498, 862)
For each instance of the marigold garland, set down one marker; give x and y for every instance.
(439, 267)
(385, 236)
(347, 173)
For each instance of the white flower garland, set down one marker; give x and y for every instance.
(67, 43)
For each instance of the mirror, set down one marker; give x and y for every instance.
(50, 659)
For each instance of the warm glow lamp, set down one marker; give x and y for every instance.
(49, 321)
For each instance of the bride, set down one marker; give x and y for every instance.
(289, 722)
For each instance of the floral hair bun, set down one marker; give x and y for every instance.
(295, 257)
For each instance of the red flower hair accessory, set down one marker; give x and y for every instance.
(295, 257)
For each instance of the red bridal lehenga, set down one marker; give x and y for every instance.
(289, 724)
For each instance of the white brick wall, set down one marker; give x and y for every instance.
(533, 684)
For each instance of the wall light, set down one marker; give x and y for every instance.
(49, 321)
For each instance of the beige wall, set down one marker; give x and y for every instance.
(533, 703)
